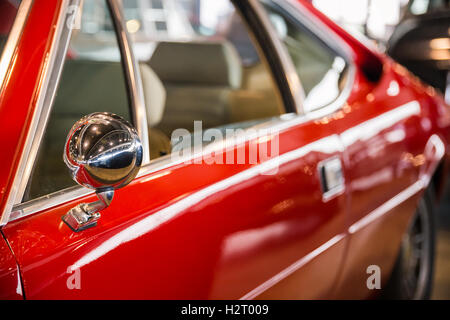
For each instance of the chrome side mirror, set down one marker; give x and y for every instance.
(103, 152)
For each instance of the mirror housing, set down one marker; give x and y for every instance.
(102, 152)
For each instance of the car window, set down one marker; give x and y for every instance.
(92, 80)
(198, 62)
(321, 70)
(8, 12)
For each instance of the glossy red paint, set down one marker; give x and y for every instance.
(227, 231)
(10, 284)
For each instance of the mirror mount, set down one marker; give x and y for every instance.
(85, 215)
(103, 152)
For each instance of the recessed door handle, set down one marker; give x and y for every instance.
(331, 178)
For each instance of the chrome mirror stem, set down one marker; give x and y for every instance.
(85, 215)
(104, 201)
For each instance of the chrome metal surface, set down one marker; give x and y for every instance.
(48, 201)
(298, 12)
(332, 178)
(133, 78)
(103, 152)
(295, 85)
(85, 215)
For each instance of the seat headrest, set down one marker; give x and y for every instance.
(154, 94)
(99, 86)
(198, 63)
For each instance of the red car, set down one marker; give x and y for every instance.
(341, 206)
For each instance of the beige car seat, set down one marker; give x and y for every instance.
(258, 98)
(199, 78)
(155, 100)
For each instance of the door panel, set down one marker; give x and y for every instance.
(385, 143)
(197, 231)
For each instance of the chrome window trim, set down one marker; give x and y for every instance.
(133, 79)
(13, 38)
(285, 121)
(332, 40)
(48, 201)
(295, 86)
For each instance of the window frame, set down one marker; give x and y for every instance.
(300, 16)
(13, 38)
(277, 57)
(15, 208)
(6, 56)
(282, 69)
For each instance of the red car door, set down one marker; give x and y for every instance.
(226, 234)
(182, 229)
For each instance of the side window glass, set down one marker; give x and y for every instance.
(321, 71)
(92, 80)
(198, 62)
